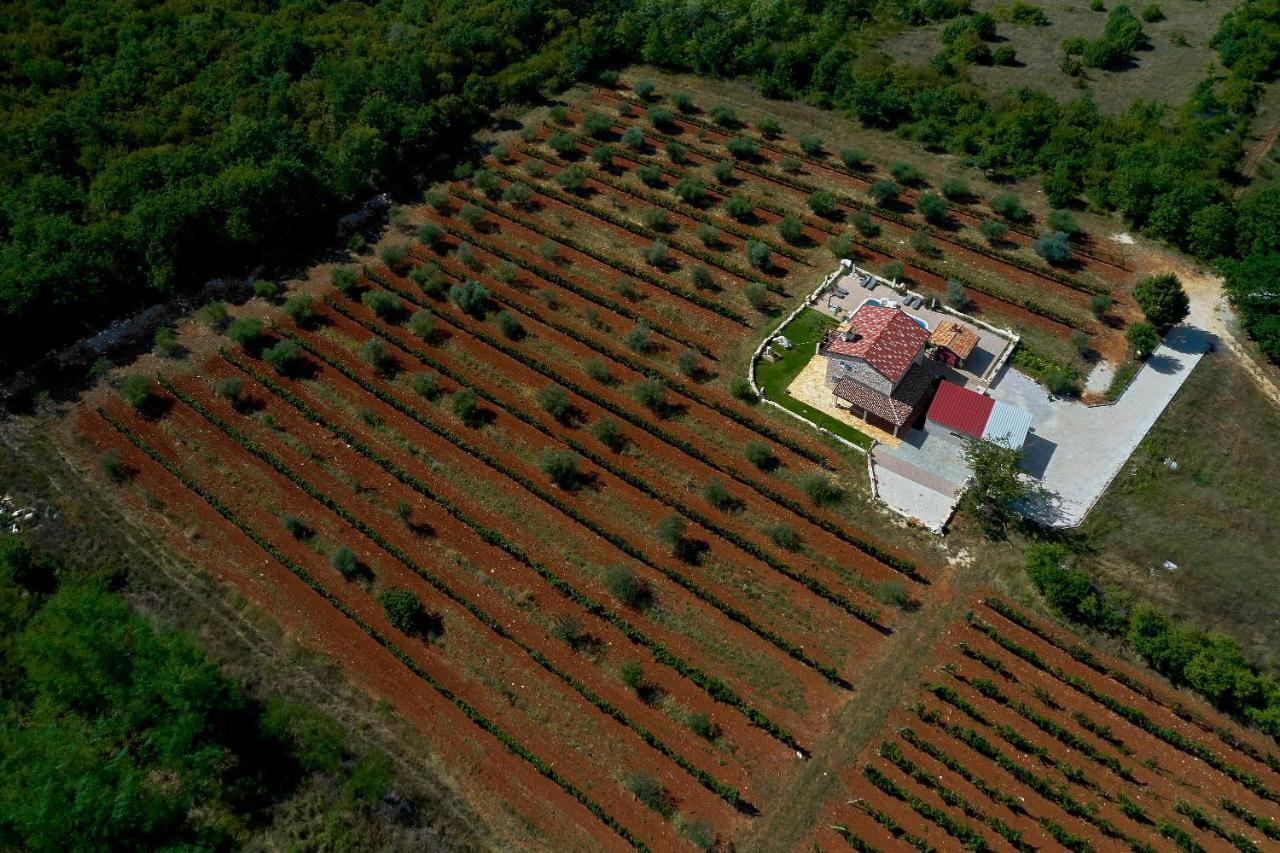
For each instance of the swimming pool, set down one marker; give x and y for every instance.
(871, 300)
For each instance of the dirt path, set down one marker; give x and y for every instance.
(890, 674)
(1211, 311)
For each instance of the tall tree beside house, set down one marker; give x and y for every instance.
(1163, 300)
(999, 487)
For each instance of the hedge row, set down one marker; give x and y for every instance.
(665, 201)
(567, 509)
(713, 686)
(712, 258)
(512, 745)
(725, 792)
(1133, 715)
(1084, 655)
(890, 752)
(741, 542)
(609, 260)
(560, 281)
(962, 832)
(920, 262)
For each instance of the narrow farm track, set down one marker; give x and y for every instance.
(333, 621)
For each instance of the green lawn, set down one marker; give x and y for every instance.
(804, 332)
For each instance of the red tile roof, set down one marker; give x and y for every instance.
(896, 408)
(959, 409)
(887, 338)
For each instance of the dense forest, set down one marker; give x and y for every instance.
(149, 145)
(116, 732)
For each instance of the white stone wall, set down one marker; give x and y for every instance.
(839, 366)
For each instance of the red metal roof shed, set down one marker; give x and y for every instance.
(959, 409)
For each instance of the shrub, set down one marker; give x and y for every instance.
(165, 343)
(438, 198)
(866, 226)
(690, 364)
(214, 315)
(509, 325)
(757, 295)
(1080, 341)
(432, 236)
(993, 230)
(345, 280)
(852, 157)
(1005, 55)
(562, 143)
(266, 289)
(700, 723)
(757, 254)
(790, 229)
(709, 235)
(742, 147)
(740, 388)
(821, 490)
(670, 532)
(633, 138)
(628, 587)
(465, 407)
(344, 560)
(422, 324)
(683, 102)
(652, 394)
(784, 536)
(426, 386)
(1064, 221)
(650, 176)
(300, 309)
(768, 127)
(906, 173)
(1099, 303)
(823, 203)
(534, 168)
(1143, 339)
(956, 189)
(110, 464)
(932, 207)
(893, 271)
(724, 116)
(739, 207)
(656, 254)
(811, 144)
(921, 242)
(470, 297)
(285, 357)
(956, 297)
(1053, 246)
(487, 182)
(676, 152)
(701, 278)
(247, 332)
(760, 455)
(517, 194)
(640, 336)
(555, 402)
(715, 493)
(659, 117)
(882, 192)
(1009, 206)
(468, 258)
(643, 88)
(429, 278)
(790, 165)
(386, 305)
(690, 191)
(137, 390)
(597, 370)
(548, 251)
(596, 124)
(1152, 13)
(655, 218)
(230, 389)
(561, 466)
(506, 272)
(393, 254)
(571, 178)
(602, 156)
(608, 433)
(295, 527)
(1162, 299)
(722, 171)
(841, 245)
(375, 354)
(406, 613)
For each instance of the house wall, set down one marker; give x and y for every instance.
(839, 366)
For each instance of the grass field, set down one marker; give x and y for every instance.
(1214, 516)
(1166, 71)
(805, 331)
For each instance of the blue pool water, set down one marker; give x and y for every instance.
(876, 302)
